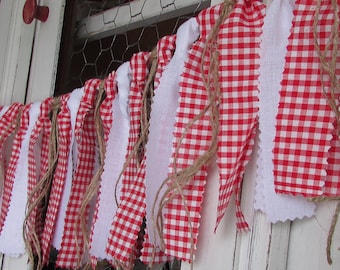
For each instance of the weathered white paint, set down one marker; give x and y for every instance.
(264, 247)
(15, 51)
(46, 52)
(308, 241)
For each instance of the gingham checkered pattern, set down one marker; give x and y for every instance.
(332, 182)
(131, 211)
(165, 50)
(85, 137)
(239, 44)
(44, 165)
(107, 119)
(38, 162)
(151, 254)
(304, 120)
(69, 255)
(192, 100)
(64, 137)
(7, 126)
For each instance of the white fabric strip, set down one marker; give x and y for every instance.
(73, 105)
(162, 121)
(11, 239)
(114, 161)
(276, 30)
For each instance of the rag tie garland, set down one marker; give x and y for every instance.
(217, 112)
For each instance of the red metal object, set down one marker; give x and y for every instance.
(32, 11)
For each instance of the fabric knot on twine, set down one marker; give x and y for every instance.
(39, 196)
(93, 187)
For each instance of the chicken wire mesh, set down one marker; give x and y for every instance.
(98, 36)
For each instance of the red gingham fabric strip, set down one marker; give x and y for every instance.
(8, 123)
(68, 256)
(241, 223)
(238, 44)
(6, 139)
(131, 211)
(73, 106)
(44, 159)
(72, 245)
(165, 50)
(151, 255)
(11, 238)
(9, 176)
(38, 161)
(64, 137)
(304, 119)
(107, 119)
(116, 147)
(192, 100)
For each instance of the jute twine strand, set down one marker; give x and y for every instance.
(40, 193)
(331, 233)
(328, 59)
(93, 187)
(147, 96)
(180, 178)
(139, 147)
(147, 100)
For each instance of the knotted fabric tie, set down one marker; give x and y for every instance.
(192, 137)
(131, 211)
(73, 106)
(160, 141)
(238, 46)
(8, 123)
(63, 131)
(11, 239)
(73, 246)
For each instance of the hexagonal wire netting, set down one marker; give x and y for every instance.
(98, 36)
